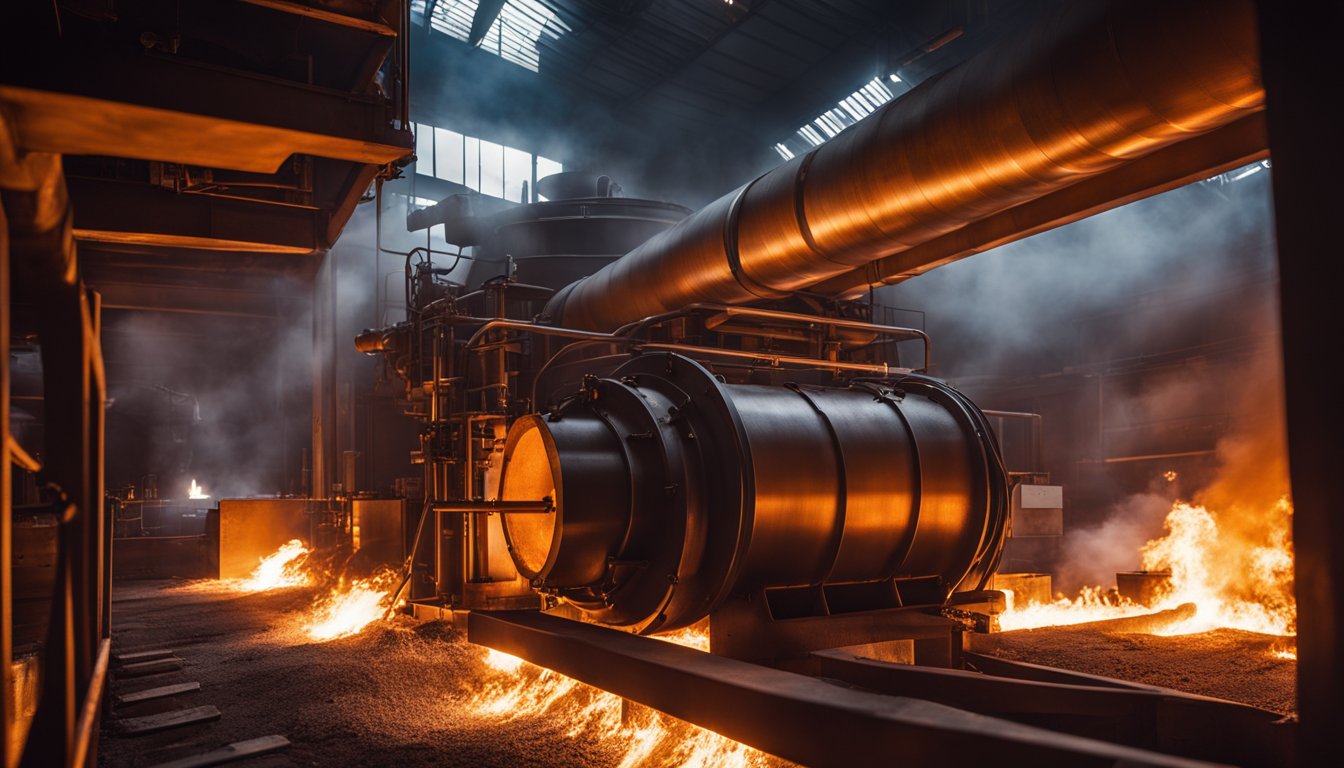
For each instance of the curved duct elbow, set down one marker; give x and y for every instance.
(674, 491)
(1095, 87)
(374, 340)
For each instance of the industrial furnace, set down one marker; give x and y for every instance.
(748, 464)
(643, 418)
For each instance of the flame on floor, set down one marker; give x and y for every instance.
(350, 607)
(1091, 604)
(283, 568)
(643, 737)
(1236, 580)
(343, 608)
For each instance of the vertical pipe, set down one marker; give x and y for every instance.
(323, 377)
(10, 752)
(98, 521)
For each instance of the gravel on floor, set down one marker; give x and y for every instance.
(1224, 663)
(401, 693)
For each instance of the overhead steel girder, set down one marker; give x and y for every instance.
(134, 214)
(153, 107)
(796, 717)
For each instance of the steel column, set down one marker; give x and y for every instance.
(1301, 67)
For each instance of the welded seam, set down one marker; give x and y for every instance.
(841, 482)
(734, 257)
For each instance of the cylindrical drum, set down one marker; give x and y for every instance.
(673, 490)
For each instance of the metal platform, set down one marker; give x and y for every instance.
(804, 719)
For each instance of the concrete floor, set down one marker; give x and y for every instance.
(400, 693)
(408, 694)
(1225, 663)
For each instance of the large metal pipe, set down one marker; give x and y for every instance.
(1092, 86)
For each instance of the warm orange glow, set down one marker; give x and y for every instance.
(1239, 575)
(349, 608)
(1235, 583)
(690, 637)
(346, 609)
(284, 568)
(196, 491)
(1092, 604)
(644, 737)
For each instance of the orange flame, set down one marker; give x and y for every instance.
(645, 737)
(196, 491)
(1235, 584)
(282, 569)
(349, 608)
(1092, 604)
(1238, 578)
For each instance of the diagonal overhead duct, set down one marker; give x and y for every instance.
(486, 13)
(1092, 88)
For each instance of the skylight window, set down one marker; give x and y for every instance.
(846, 112)
(1237, 174)
(515, 34)
(480, 165)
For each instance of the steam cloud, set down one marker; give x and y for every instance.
(1174, 300)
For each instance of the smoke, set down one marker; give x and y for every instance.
(1094, 555)
(227, 400)
(1082, 293)
(1148, 337)
(219, 399)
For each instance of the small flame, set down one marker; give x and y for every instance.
(196, 491)
(690, 637)
(643, 736)
(1170, 475)
(284, 568)
(349, 608)
(502, 662)
(1092, 604)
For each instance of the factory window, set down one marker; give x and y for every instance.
(845, 113)
(479, 165)
(1237, 174)
(514, 35)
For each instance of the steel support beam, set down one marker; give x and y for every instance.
(167, 108)
(326, 16)
(194, 300)
(1300, 67)
(796, 717)
(1160, 719)
(11, 741)
(76, 124)
(135, 214)
(486, 13)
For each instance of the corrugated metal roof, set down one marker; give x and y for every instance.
(695, 61)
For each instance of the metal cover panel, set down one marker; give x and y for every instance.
(1040, 496)
(381, 535)
(250, 529)
(1037, 522)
